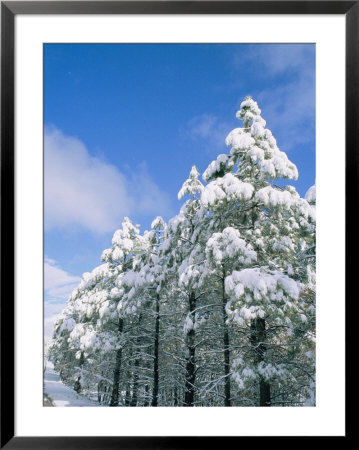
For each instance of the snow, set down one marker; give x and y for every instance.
(228, 187)
(258, 144)
(283, 244)
(192, 185)
(158, 223)
(215, 167)
(270, 371)
(257, 128)
(273, 197)
(104, 310)
(62, 395)
(310, 195)
(248, 105)
(68, 324)
(189, 274)
(256, 288)
(229, 244)
(117, 254)
(199, 245)
(89, 280)
(239, 141)
(212, 194)
(236, 189)
(256, 154)
(127, 231)
(188, 326)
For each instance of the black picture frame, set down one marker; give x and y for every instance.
(9, 9)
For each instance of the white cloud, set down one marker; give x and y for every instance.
(288, 103)
(209, 131)
(84, 191)
(279, 59)
(58, 285)
(290, 110)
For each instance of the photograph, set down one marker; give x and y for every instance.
(179, 217)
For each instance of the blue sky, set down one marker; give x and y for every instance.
(124, 123)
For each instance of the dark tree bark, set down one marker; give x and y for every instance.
(190, 365)
(77, 386)
(135, 383)
(264, 393)
(82, 359)
(258, 337)
(116, 373)
(146, 402)
(175, 400)
(128, 379)
(135, 369)
(227, 381)
(156, 348)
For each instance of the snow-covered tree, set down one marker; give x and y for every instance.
(126, 242)
(144, 286)
(184, 260)
(217, 307)
(273, 224)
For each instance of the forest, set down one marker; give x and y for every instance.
(215, 307)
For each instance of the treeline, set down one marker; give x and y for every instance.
(215, 308)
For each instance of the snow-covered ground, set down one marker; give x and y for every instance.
(61, 395)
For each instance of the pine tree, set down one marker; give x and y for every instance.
(263, 295)
(125, 243)
(217, 307)
(181, 240)
(144, 285)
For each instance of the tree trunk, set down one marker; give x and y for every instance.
(82, 359)
(155, 361)
(175, 401)
(258, 336)
(146, 402)
(135, 369)
(116, 373)
(264, 393)
(135, 383)
(227, 381)
(190, 366)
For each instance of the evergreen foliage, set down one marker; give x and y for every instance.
(215, 308)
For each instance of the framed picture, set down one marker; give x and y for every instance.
(187, 330)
